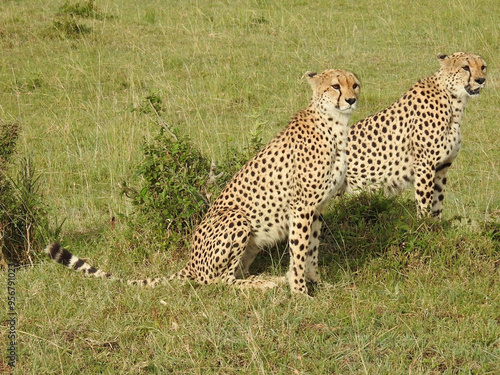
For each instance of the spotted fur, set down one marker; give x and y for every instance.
(280, 193)
(416, 139)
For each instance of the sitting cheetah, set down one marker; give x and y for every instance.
(416, 139)
(279, 193)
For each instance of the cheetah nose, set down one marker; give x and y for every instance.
(351, 101)
(480, 80)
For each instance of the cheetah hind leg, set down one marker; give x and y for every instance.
(238, 269)
(243, 272)
(251, 283)
(277, 280)
(232, 249)
(246, 259)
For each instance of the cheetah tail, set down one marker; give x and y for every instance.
(63, 256)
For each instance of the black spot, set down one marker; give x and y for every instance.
(446, 165)
(64, 257)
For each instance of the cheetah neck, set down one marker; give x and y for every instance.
(458, 102)
(333, 122)
(330, 130)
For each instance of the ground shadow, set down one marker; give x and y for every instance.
(356, 229)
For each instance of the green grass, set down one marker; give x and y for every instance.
(404, 296)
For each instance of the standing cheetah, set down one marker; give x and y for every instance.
(416, 139)
(279, 193)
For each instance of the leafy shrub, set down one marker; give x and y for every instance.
(178, 182)
(174, 192)
(178, 185)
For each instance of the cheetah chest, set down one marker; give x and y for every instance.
(451, 145)
(327, 175)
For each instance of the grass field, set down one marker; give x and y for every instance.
(400, 296)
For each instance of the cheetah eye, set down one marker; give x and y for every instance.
(483, 67)
(466, 68)
(355, 86)
(336, 87)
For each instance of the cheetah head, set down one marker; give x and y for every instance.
(334, 91)
(464, 73)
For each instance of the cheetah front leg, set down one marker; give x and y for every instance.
(311, 273)
(300, 230)
(439, 186)
(424, 186)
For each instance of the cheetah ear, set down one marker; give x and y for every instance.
(443, 59)
(312, 78)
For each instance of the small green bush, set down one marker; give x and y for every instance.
(174, 191)
(178, 185)
(178, 182)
